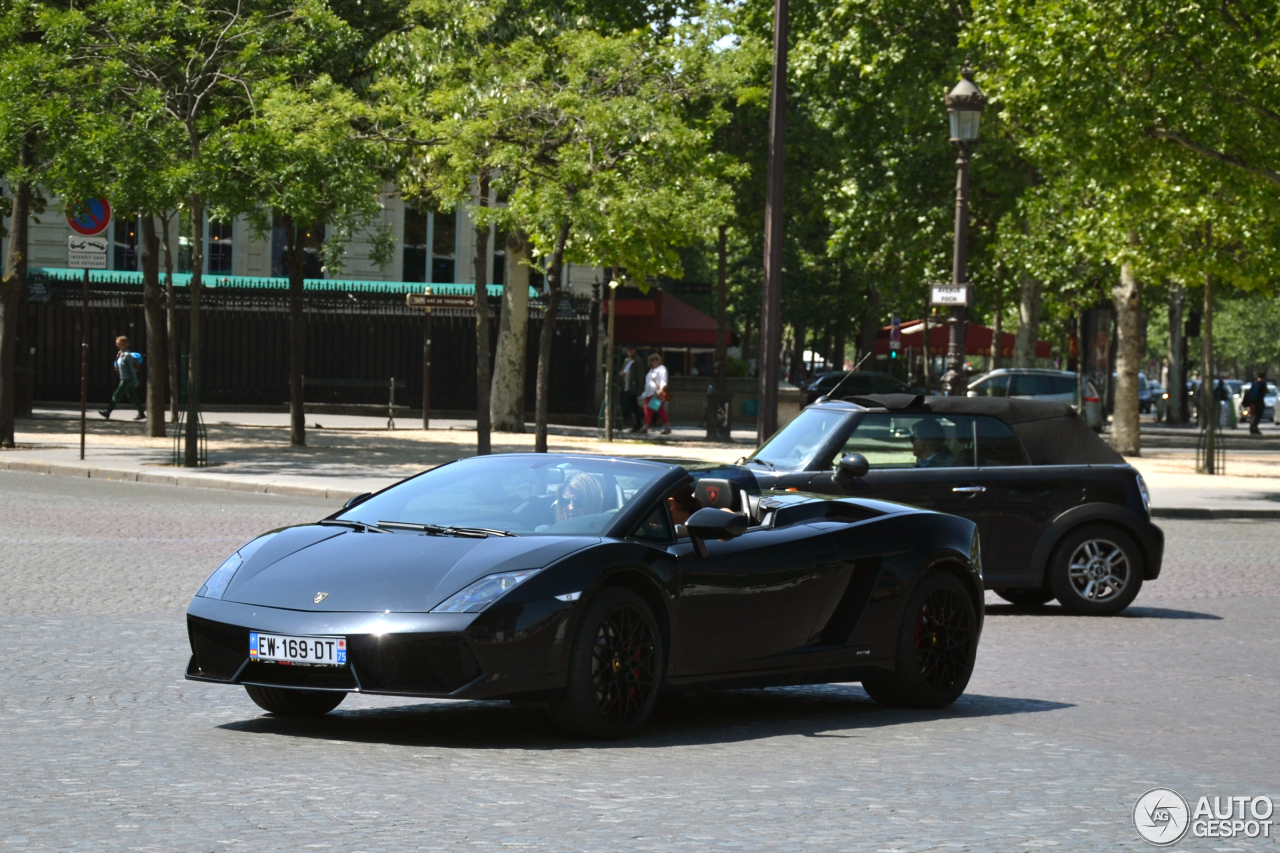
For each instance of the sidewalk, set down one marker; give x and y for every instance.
(347, 454)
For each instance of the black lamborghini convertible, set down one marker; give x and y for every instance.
(593, 584)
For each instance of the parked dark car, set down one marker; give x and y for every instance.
(859, 382)
(593, 584)
(1060, 513)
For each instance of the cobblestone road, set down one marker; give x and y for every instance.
(1067, 721)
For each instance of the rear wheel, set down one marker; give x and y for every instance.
(937, 645)
(1026, 597)
(295, 703)
(1096, 571)
(615, 669)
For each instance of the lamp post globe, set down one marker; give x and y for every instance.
(965, 104)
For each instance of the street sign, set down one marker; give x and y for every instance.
(91, 218)
(950, 294)
(423, 300)
(87, 253)
(895, 333)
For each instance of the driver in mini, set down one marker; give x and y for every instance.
(928, 443)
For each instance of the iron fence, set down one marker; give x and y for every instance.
(367, 336)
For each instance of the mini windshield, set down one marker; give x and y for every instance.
(796, 443)
(528, 495)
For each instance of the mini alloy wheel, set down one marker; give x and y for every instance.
(937, 646)
(1096, 571)
(615, 668)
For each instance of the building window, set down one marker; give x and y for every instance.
(444, 246)
(416, 229)
(218, 247)
(312, 266)
(125, 244)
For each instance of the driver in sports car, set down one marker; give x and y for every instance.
(928, 443)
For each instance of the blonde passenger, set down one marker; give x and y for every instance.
(580, 495)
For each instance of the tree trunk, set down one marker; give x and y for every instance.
(870, 322)
(1175, 411)
(797, 355)
(997, 327)
(295, 259)
(1208, 403)
(170, 320)
(1024, 343)
(838, 345)
(12, 289)
(153, 308)
(1127, 295)
(720, 361)
(191, 449)
(554, 271)
(482, 325)
(506, 401)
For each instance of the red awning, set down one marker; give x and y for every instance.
(977, 339)
(659, 319)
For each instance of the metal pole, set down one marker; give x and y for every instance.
(426, 369)
(608, 363)
(955, 380)
(771, 301)
(84, 358)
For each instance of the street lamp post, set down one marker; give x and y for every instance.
(769, 356)
(608, 362)
(964, 104)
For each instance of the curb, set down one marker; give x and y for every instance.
(59, 469)
(1206, 513)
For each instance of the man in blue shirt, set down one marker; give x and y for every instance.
(1256, 397)
(929, 444)
(128, 387)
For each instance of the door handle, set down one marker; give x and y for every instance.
(970, 490)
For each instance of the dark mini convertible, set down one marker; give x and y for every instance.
(593, 584)
(1061, 514)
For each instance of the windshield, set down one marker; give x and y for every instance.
(528, 495)
(798, 441)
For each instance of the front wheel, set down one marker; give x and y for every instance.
(937, 645)
(294, 703)
(1026, 597)
(1096, 571)
(615, 669)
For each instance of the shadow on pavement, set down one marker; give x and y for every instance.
(1127, 613)
(828, 710)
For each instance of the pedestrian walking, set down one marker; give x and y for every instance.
(656, 395)
(631, 381)
(1257, 398)
(127, 370)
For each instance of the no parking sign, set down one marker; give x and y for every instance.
(90, 218)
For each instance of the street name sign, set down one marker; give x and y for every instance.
(87, 253)
(90, 218)
(950, 294)
(423, 300)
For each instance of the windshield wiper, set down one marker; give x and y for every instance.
(772, 467)
(444, 530)
(354, 525)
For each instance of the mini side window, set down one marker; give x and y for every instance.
(997, 445)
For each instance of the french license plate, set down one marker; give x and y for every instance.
(281, 648)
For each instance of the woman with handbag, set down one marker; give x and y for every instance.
(656, 394)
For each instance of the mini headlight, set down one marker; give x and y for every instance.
(216, 585)
(479, 595)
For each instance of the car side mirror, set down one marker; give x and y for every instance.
(850, 468)
(357, 500)
(712, 523)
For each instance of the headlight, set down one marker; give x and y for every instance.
(1146, 494)
(216, 585)
(480, 594)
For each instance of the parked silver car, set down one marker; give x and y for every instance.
(1033, 383)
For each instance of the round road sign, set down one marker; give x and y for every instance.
(91, 218)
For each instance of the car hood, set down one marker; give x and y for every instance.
(381, 572)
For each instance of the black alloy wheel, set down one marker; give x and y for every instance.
(295, 703)
(1096, 570)
(1035, 597)
(937, 646)
(615, 668)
